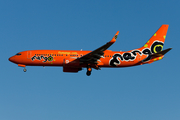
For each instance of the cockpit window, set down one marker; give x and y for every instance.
(18, 54)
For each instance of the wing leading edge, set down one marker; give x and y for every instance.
(94, 56)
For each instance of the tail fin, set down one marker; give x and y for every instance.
(156, 42)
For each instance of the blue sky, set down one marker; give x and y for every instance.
(136, 93)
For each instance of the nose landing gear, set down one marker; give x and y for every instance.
(20, 65)
(24, 69)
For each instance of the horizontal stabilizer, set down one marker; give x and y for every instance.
(161, 53)
(156, 55)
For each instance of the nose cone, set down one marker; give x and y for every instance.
(12, 59)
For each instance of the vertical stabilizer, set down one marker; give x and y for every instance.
(156, 42)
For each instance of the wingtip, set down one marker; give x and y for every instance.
(115, 37)
(165, 25)
(117, 33)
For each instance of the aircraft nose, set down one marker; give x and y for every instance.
(11, 59)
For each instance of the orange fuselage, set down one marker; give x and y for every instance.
(74, 60)
(63, 57)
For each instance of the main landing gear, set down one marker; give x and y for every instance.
(89, 69)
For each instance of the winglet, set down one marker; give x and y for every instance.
(115, 37)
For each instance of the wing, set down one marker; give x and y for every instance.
(94, 56)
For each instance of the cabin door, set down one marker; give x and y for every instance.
(28, 54)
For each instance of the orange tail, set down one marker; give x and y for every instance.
(156, 42)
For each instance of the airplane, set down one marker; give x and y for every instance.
(75, 60)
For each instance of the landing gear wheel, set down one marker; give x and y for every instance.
(24, 69)
(88, 73)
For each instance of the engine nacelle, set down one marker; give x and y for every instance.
(71, 65)
(71, 69)
(70, 62)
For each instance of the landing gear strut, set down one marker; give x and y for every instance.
(20, 65)
(89, 69)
